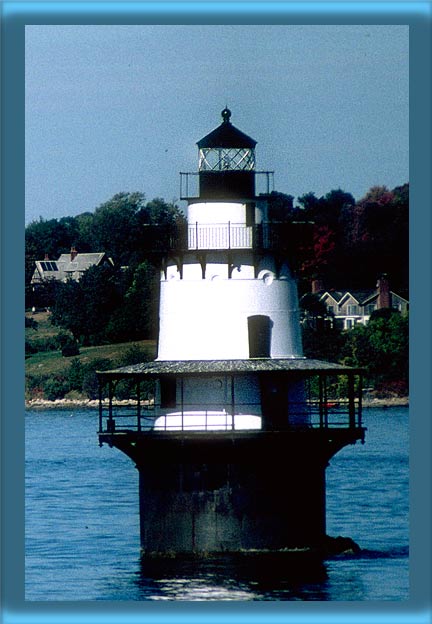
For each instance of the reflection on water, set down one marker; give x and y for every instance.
(234, 577)
(273, 577)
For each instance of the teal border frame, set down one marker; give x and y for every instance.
(15, 16)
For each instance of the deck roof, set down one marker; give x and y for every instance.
(250, 365)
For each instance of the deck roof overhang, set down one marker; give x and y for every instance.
(159, 368)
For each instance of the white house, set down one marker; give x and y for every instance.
(347, 308)
(68, 266)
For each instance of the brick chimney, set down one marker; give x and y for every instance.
(384, 298)
(317, 285)
(46, 257)
(73, 253)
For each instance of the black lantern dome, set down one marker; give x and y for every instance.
(227, 162)
(226, 135)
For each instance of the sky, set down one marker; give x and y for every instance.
(114, 109)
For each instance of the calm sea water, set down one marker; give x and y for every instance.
(82, 524)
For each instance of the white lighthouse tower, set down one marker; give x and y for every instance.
(228, 297)
(234, 438)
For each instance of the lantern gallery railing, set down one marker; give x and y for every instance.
(145, 416)
(220, 236)
(190, 181)
(197, 236)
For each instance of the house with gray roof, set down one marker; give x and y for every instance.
(347, 308)
(68, 266)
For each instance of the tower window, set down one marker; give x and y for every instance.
(250, 215)
(168, 392)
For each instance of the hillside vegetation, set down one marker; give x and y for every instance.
(109, 317)
(50, 375)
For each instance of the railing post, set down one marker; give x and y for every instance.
(351, 404)
(229, 234)
(321, 401)
(111, 422)
(100, 403)
(182, 403)
(196, 235)
(232, 404)
(325, 406)
(360, 400)
(138, 405)
(266, 236)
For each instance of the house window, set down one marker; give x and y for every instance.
(349, 323)
(330, 309)
(371, 307)
(168, 392)
(352, 310)
(49, 266)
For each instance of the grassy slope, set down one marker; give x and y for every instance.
(54, 362)
(46, 363)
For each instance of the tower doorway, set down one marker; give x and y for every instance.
(259, 331)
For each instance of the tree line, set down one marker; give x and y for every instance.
(380, 348)
(108, 304)
(351, 242)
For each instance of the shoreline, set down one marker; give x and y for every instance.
(94, 403)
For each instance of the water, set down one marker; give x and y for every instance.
(82, 524)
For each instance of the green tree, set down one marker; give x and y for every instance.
(313, 308)
(308, 204)
(281, 207)
(85, 307)
(322, 342)
(67, 311)
(46, 237)
(84, 241)
(115, 226)
(375, 238)
(137, 317)
(160, 225)
(325, 212)
(381, 347)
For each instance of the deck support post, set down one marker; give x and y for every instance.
(351, 402)
(138, 405)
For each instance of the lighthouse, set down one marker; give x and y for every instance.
(231, 427)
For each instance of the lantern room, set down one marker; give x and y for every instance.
(226, 162)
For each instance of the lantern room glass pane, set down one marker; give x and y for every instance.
(226, 159)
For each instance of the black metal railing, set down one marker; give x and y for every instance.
(311, 414)
(268, 236)
(190, 183)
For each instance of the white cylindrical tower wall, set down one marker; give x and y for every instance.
(224, 402)
(222, 225)
(221, 212)
(207, 319)
(212, 402)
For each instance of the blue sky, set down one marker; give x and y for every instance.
(120, 108)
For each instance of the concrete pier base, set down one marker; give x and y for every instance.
(254, 512)
(206, 494)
